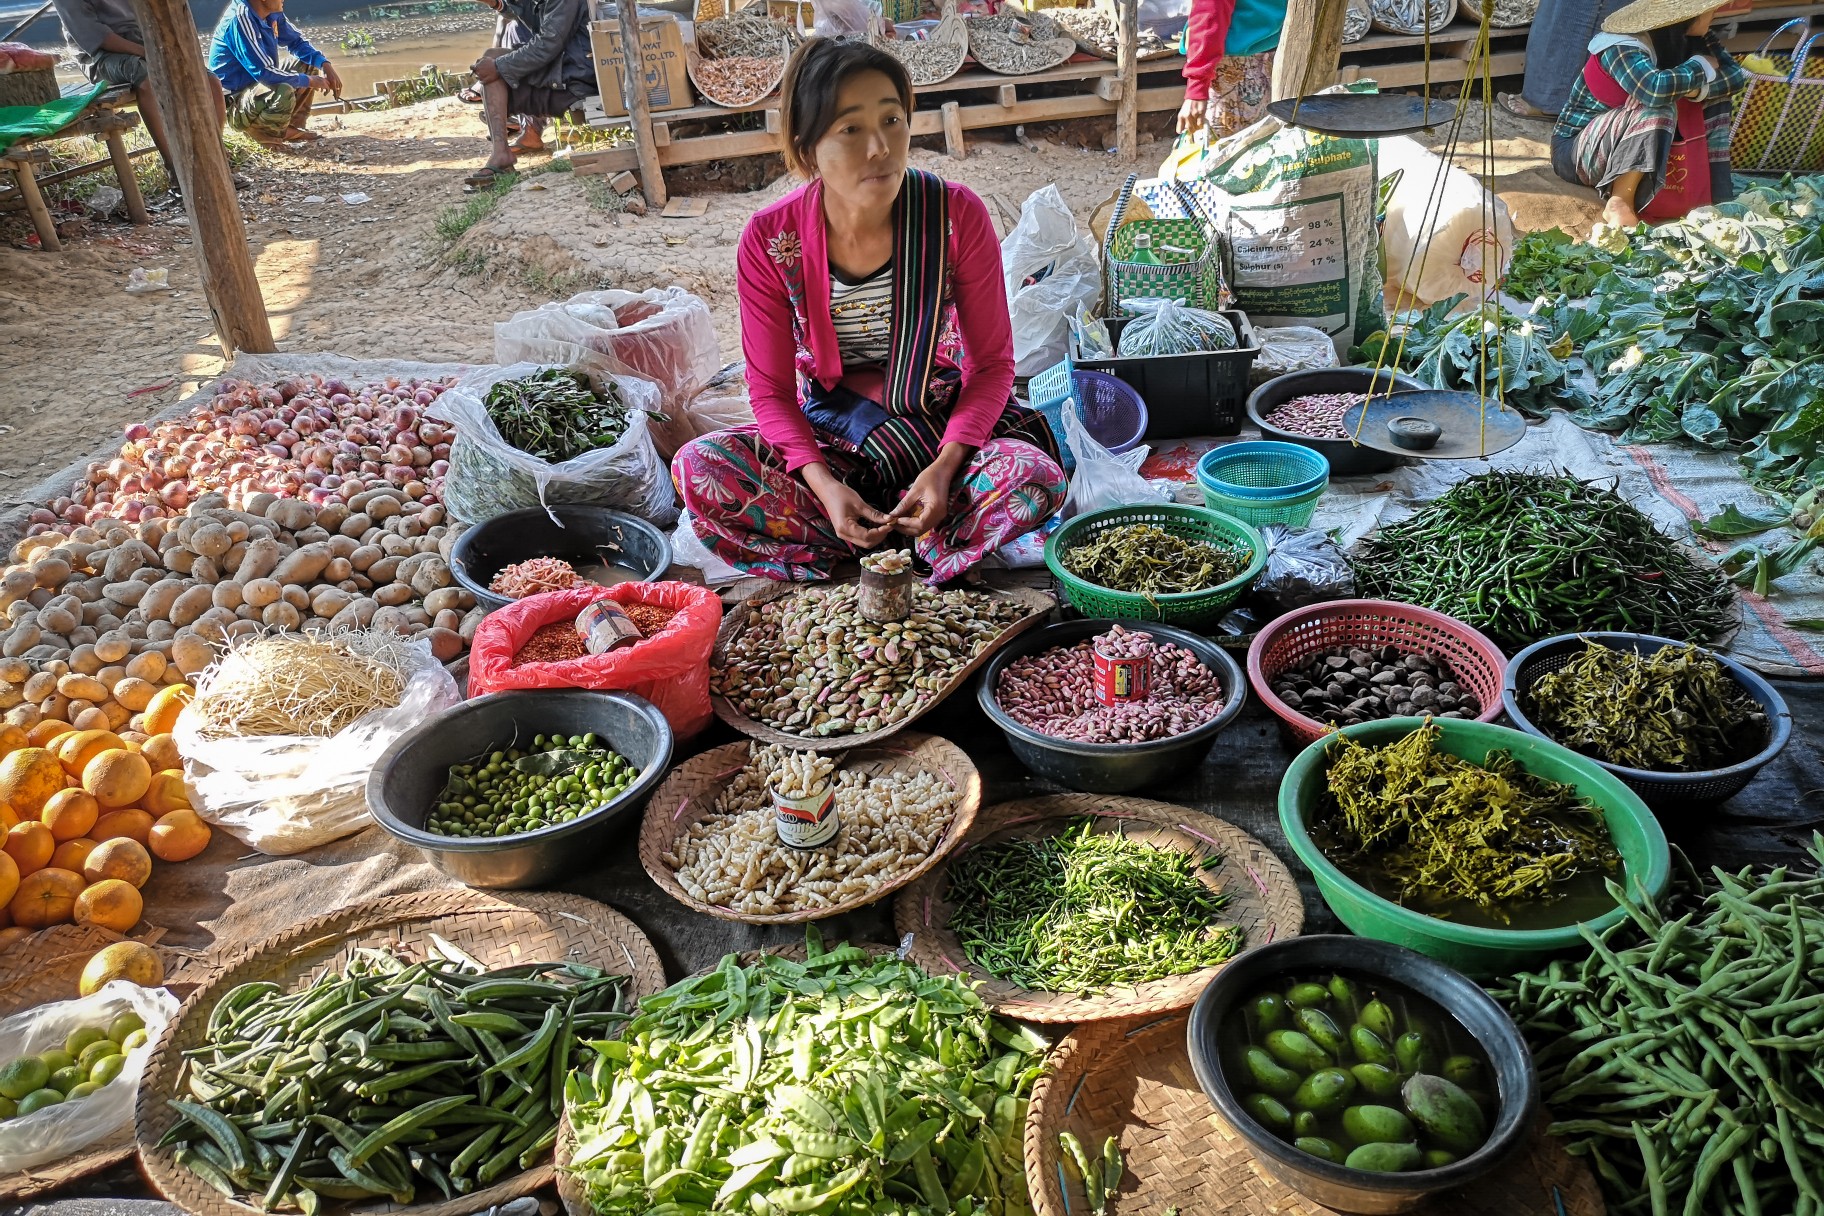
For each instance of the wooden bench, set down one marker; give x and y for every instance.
(110, 116)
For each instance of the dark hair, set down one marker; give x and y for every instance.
(813, 78)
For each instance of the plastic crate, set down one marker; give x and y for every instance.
(1188, 395)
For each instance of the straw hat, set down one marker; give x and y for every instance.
(1644, 16)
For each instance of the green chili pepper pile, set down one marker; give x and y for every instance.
(1147, 560)
(1523, 556)
(554, 414)
(1685, 1056)
(383, 1079)
(1085, 910)
(844, 1084)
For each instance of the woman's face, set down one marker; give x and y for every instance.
(862, 157)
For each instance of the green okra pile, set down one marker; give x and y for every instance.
(385, 1079)
(845, 1084)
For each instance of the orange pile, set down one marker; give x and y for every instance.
(82, 815)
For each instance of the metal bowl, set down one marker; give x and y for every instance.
(406, 781)
(1345, 458)
(581, 535)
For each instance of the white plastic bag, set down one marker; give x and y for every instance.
(1051, 269)
(688, 550)
(722, 404)
(58, 1131)
(283, 794)
(1291, 348)
(1463, 252)
(665, 335)
(488, 477)
(1103, 479)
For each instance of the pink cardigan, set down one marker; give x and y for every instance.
(783, 281)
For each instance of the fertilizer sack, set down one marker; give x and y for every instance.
(1299, 211)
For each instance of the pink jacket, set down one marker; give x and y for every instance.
(783, 281)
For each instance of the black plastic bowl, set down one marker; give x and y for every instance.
(581, 535)
(1662, 791)
(1111, 768)
(1345, 458)
(405, 783)
(1324, 1182)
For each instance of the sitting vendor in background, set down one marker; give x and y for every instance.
(1228, 64)
(547, 76)
(854, 290)
(1616, 132)
(269, 72)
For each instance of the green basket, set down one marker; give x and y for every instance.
(1263, 467)
(1196, 281)
(1190, 609)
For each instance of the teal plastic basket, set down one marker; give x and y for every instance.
(1264, 482)
(1191, 609)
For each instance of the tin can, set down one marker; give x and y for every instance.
(1121, 678)
(606, 626)
(807, 822)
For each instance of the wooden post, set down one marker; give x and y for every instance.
(953, 130)
(186, 98)
(1127, 68)
(639, 113)
(1310, 48)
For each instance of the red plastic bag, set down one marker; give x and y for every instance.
(670, 669)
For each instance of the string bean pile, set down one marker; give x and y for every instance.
(1084, 910)
(555, 414)
(844, 1085)
(1684, 1057)
(1147, 560)
(382, 1079)
(1523, 556)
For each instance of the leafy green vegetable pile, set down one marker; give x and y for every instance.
(1555, 263)
(1463, 353)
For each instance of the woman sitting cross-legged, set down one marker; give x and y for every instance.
(879, 353)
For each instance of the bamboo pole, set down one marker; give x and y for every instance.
(639, 113)
(1310, 48)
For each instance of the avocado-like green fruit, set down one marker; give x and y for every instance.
(1385, 1158)
(81, 1038)
(81, 1091)
(23, 1076)
(99, 1050)
(38, 1099)
(66, 1079)
(106, 1069)
(1377, 1125)
(125, 1024)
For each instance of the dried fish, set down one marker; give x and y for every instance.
(1508, 14)
(1018, 44)
(1410, 16)
(1357, 21)
(737, 79)
(1097, 32)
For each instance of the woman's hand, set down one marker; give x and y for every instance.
(1190, 116)
(926, 502)
(854, 520)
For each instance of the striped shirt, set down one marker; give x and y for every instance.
(863, 313)
(1633, 67)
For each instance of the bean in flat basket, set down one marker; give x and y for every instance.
(810, 664)
(383, 1079)
(510, 790)
(1352, 684)
(1053, 692)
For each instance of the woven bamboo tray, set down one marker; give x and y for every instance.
(499, 930)
(1520, 13)
(1082, 24)
(1036, 605)
(935, 59)
(691, 789)
(1133, 1080)
(1017, 43)
(1265, 903)
(722, 37)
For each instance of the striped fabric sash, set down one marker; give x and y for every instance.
(921, 241)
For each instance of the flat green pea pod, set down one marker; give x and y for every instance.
(1305, 1123)
(1438, 1158)
(1297, 1050)
(1324, 1091)
(1377, 1080)
(1385, 1158)
(1347, 994)
(1377, 1125)
(1318, 1146)
(1466, 1071)
(1323, 1031)
(1267, 1073)
(1413, 1052)
(1376, 1016)
(1307, 996)
(1269, 1012)
(1369, 1047)
(1270, 1111)
(1446, 1112)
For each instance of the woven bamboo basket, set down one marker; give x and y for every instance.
(690, 791)
(1412, 17)
(937, 58)
(1035, 604)
(498, 929)
(1508, 14)
(1017, 43)
(1265, 901)
(1094, 29)
(749, 35)
(1133, 1080)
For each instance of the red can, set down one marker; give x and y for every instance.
(1120, 678)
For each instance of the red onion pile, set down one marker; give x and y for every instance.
(309, 437)
(1053, 692)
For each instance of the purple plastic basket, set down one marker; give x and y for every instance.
(1113, 413)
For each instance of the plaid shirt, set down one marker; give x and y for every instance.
(1634, 70)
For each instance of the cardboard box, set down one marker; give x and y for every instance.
(662, 52)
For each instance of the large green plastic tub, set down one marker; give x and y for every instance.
(1646, 861)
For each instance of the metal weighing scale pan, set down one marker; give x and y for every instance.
(1434, 424)
(1363, 115)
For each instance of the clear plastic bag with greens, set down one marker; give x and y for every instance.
(1167, 327)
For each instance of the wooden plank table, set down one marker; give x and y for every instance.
(107, 116)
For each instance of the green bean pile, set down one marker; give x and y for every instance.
(1082, 910)
(1684, 1057)
(1145, 559)
(509, 790)
(382, 1078)
(844, 1084)
(555, 414)
(1524, 556)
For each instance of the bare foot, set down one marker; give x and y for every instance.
(299, 135)
(1618, 214)
(529, 143)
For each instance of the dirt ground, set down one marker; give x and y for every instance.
(373, 279)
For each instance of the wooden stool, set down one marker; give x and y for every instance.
(105, 117)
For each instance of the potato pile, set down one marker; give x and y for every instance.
(99, 618)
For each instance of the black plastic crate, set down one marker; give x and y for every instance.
(1188, 395)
